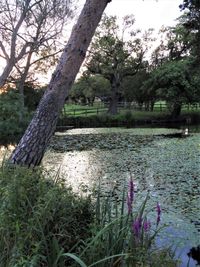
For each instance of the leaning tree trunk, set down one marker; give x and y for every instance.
(31, 147)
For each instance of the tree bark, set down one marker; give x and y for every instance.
(6, 72)
(115, 86)
(22, 83)
(176, 111)
(113, 105)
(31, 147)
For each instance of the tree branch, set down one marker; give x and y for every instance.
(4, 51)
(23, 51)
(45, 57)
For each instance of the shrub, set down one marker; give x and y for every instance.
(32, 96)
(39, 219)
(13, 121)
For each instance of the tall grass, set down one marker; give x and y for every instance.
(39, 219)
(123, 235)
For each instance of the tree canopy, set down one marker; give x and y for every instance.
(115, 57)
(87, 88)
(30, 32)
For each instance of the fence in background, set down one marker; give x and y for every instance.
(96, 110)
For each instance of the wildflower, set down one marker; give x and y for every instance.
(136, 226)
(130, 196)
(146, 225)
(158, 209)
(129, 204)
(131, 190)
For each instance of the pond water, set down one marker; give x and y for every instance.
(169, 168)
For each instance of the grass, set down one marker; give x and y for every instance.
(39, 219)
(160, 110)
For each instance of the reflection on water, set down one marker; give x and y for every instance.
(168, 167)
(5, 152)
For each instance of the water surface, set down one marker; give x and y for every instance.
(167, 167)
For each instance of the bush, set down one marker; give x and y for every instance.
(11, 124)
(32, 96)
(39, 219)
(101, 120)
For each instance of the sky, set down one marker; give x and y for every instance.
(148, 13)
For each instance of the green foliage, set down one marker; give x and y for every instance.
(114, 58)
(39, 219)
(32, 96)
(179, 41)
(88, 87)
(13, 120)
(191, 23)
(101, 120)
(124, 118)
(175, 83)
(134, 90)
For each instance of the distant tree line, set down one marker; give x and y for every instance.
(118, 68)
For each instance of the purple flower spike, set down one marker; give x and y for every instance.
(147, 225)
(158, 209)
(130, 196)
(131, 190)
(136, 226)
(129, 204)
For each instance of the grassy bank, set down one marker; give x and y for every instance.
(40, 218)
(43, 223)
(129, 119)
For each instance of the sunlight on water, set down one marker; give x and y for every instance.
(81, 169)
(5, 152)
(135, 131)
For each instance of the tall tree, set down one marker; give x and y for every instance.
(175, 44)
(175, 83)
(174, 78)
(192, 23)
(133, 89)
(115, 58)
(29, 27)
(30, 149)
(88, 87)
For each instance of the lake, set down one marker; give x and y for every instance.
(168, 168)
